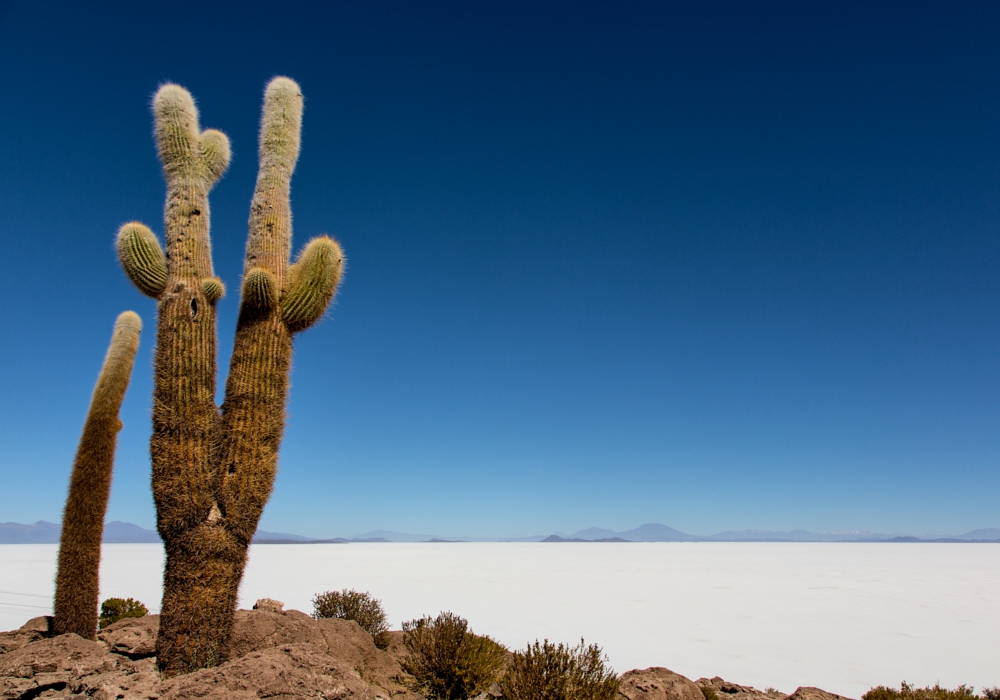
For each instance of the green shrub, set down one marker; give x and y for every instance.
(908, 692)
(448, 661)
(549, 671)
(115, 609)
(353, 605)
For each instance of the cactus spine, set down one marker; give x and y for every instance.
(90, 485)
(213, 470)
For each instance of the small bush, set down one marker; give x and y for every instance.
(992, 693)
(115, 609)
(352, 605)
(448, 661)
(709, 693)
(549, 671)
(908, 692)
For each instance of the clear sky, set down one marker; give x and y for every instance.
(716, 265)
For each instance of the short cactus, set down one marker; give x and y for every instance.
(90, 486)
(213, 469)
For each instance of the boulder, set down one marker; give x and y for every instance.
(285, 672)
(134, 637)
(344, 640)
(55, 663)
(724, 690)
(658, 684)
(31, 631)
(269, 604)
(809, 693)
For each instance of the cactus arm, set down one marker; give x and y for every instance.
(313, 281)
(76, 595)
(142, 258)
(270, 236)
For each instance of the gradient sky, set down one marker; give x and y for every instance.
(719, 265)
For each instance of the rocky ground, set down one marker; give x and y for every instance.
(279, 654)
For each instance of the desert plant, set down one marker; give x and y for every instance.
(549, 671)
(908, 692)
(77, 581)
(992, 693)
(115, 609)
(449, 661)
(709, 693)
(363, 608)
(213, 469)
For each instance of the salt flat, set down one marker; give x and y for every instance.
(844, 617)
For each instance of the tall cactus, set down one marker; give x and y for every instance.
(213, 470)
(90, 485)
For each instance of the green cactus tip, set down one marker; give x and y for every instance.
(260, 289)
(213, 289)
(314, 279)
(142, 258)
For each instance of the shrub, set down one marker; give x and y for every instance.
(908, 692)
(549, 671)
(363, 608)
(448, 661)
(709, 693)
(992, 693)
(115, 609)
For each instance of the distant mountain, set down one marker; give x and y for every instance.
(41, 532)
(116, 531)
(265, 535)
(655, 532)
(119, 532)
(593, 533)
(795, 536)
(990, 533)
(44, 532)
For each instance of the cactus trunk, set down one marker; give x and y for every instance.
(213, 470)
(77, 584)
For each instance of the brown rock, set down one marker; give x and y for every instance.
(724, 690)
(658, 684)
(52, 663)
(269, 604)
(31, 631)
(134, 637)
(343, 640)
(286, 672)
(809, 693)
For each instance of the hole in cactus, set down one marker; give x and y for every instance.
(194, 309)
(232, 469)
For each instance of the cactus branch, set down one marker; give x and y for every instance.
(313, 280)
(142, 258)
(90, 485)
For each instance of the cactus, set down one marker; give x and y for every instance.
(90, 486)
(213, 469)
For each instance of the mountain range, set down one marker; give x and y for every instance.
(118, 532)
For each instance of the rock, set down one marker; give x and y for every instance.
(725, 690)
(135, 637)
(809, 693)
(285, 672)
(396, 649)
(343, 640)
(31, 631)
(55, 663)
(132, 680)
(269, 605)
(658, 684)
(42, 624)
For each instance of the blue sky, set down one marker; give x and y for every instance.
(716, 265)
